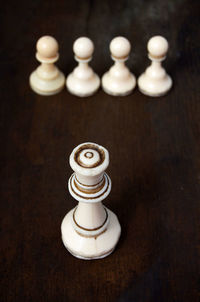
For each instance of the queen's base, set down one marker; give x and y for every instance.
(86, 247)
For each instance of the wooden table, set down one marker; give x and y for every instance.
(154, 151)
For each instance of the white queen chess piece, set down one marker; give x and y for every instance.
(119, 81)
(47, 79)
(83, 81)
(155, 81)
(90, 230)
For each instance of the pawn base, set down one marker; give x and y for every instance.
(154, 87)
(116, 87)
(47, 87)
(82, 88)
(89, 248)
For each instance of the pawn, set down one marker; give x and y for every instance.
(83, 81)
(155, 81)
(47, 79)
(119, 81)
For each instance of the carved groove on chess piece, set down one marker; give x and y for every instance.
(87, 232)
(94, 193)
(90, 231)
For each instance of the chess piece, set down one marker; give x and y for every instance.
(47, 79)
(83, 81)
(90, 230)
(119, 81)
(155, 81)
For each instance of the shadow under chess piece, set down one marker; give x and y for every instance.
(47, 79)
(90, 230)
(83, 81)
(155, 81)
(119, 81)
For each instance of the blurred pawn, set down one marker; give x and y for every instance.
(83, 81)
(47, 79)
(119, 81)
(155, 81)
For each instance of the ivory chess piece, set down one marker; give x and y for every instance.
(119, 81)
(83, 81)
(90, 230)
(47, 79)
(155, 81)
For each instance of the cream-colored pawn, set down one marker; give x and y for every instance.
(47, 79)
(83, 81)
(119, 80)
(90, 230)
(155, 81)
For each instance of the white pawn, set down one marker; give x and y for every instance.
(47, 79)
(83, 81)
(119, 81)
(155, 81)
(90, 230)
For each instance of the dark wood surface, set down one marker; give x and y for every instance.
(154, 156)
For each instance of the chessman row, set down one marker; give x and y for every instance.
(47, 79)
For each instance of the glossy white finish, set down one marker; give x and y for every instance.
(90, 248)
(83, 81)
(120, 47)
(119, 81)
(47, 79)
(90, 231)
(155, 81)
(83, 48)
(94, 210)
(157, 47)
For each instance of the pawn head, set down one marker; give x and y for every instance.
(83, 48)
(120, 48)
(157, 47)
(47, 47)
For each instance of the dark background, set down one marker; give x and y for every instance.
(154, 155)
